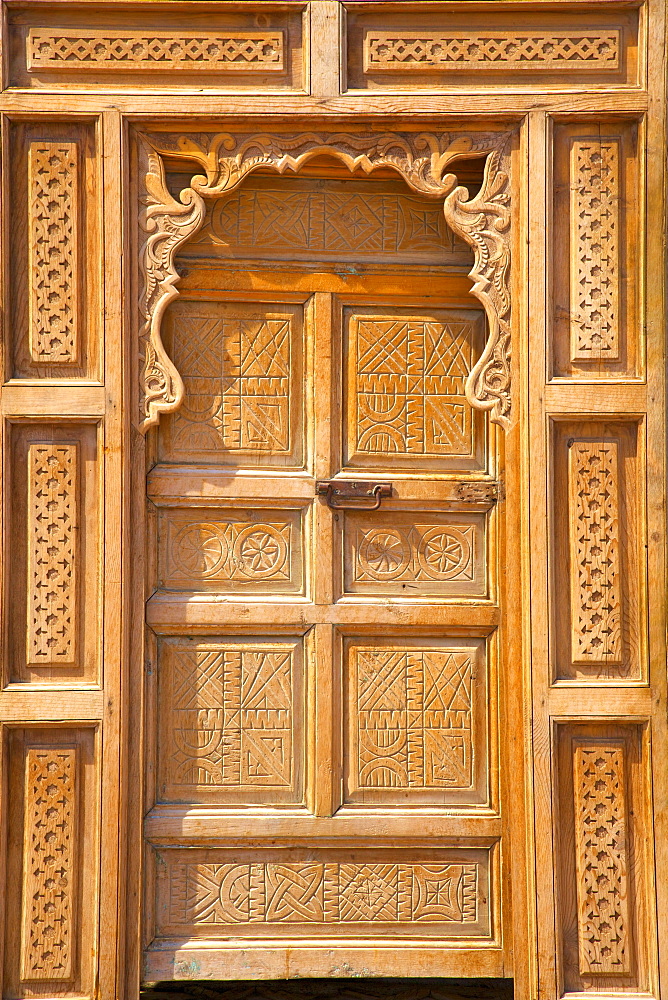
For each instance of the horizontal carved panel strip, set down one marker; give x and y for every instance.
(439, 891)
(50, 851)
(54, 260)
(114, 49)
(256, 551)
(516, 49)
(414, 555)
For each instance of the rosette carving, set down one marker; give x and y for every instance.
(422, 159)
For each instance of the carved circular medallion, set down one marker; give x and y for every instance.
(260, 551)
(444, 553)
(384, 554)
(199, 550)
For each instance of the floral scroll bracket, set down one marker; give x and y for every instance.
(422, 159)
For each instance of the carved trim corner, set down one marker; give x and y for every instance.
(422, 159)
(164, 224)
(484, 223)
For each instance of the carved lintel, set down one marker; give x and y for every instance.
(421, 159)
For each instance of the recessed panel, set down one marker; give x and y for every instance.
(231, 720)
(416, 721)
(53, 48)
(406, 373)
(242, 368)
(421, 554)
(238, 551)
(392, 48)
(217, 893)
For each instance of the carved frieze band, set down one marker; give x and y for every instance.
(593, 474)
(323, 893)
(47, 931)
(166, 223)
(53, 237)
(52, 553)
(595, 196)
(516, 49)
(109, 49)
(601, 851)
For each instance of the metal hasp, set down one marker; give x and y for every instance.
(342, 494)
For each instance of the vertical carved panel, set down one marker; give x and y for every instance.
(595, 193)
(47, 936)
(595, 563)
(52, 556)
(601, 852)
(53, 238)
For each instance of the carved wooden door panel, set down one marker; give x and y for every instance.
(333, 494)
(325, 603)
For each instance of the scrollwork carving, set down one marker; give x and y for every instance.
(422, 159)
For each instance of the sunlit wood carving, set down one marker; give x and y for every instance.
(421, 159)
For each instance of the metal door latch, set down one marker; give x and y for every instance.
(341, 494)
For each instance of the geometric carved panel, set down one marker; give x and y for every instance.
(464, 50)
(601, 852)
(52, 556)
(54, 263)
(304, 221)
(231, 551)
(230, 716)
(109, 49)
(377, 892)
(415, 554)
(52, 585)
(405, 388)
(49, 862)
(241, 367)
(416, 722)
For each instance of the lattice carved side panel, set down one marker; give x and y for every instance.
(53, 486)
(47, 937)
(53, 234)
(595, 234)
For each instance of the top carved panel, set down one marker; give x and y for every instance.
(391, 49)
(211, 50)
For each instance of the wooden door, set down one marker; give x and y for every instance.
(326, 656)
(333, 417)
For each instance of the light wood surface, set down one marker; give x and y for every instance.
(252, 247)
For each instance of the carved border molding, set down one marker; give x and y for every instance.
(422, 159)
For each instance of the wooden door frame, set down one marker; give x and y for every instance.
(491, 223)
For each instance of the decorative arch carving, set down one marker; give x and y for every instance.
(422, 159)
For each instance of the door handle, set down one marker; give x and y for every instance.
(342, 494)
